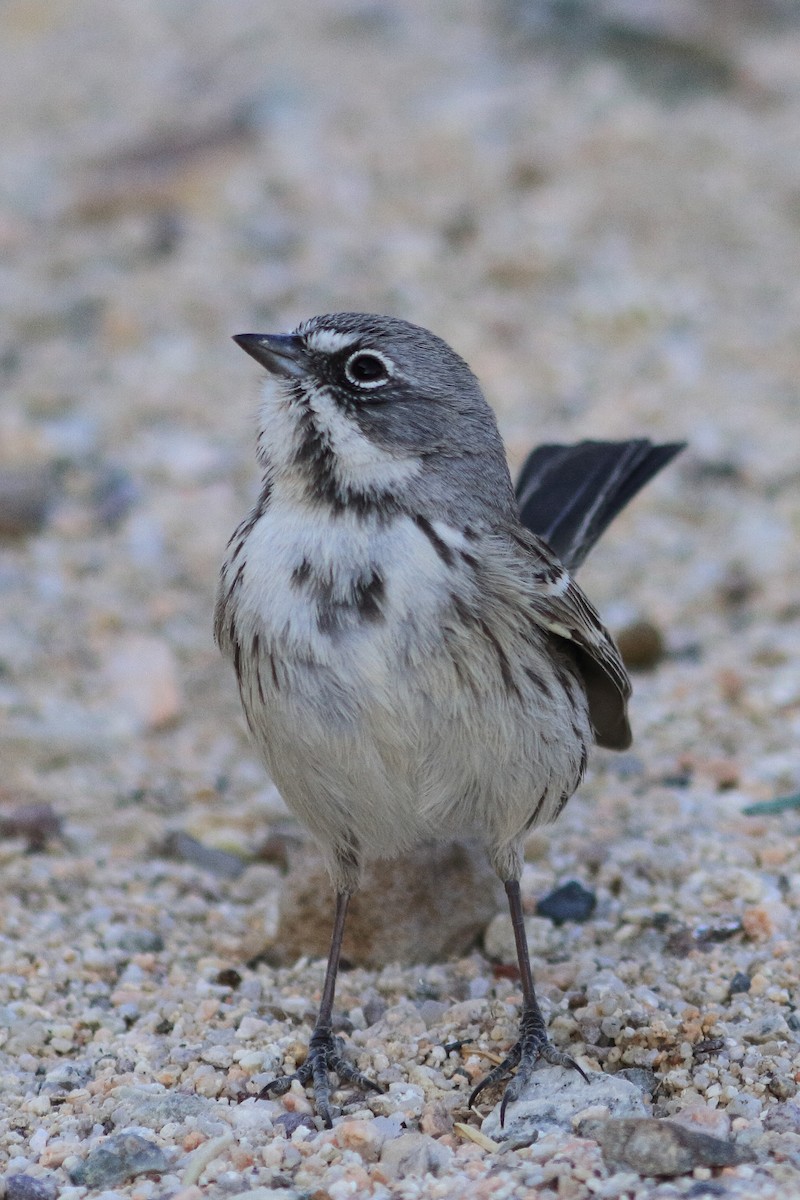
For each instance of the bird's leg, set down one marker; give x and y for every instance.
(325, 1052)
(533, 1042)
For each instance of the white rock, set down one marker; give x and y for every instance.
(555, 1096)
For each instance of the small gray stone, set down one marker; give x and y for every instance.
(414, 1154)
(646, 1081)
(783, 1118)
(66, 1077)
(26, 496)
(289, 1121)
(185, 848)
(27, 1187)
(134, 941)
(373, 1006)
(114, 494)
(432, 1012)
(739, 983)
(35, 822)
(747, 1106)
(656, 1147)
(119, 1158)
(769, 1027)
(155, 1107)
(570, 902)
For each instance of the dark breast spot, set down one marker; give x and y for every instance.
(369, 596)
(301, 573)
(362, 602)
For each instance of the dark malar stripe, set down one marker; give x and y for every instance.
(317, 456)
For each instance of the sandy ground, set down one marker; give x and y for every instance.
(604, 219)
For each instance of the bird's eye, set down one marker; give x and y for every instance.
(367, 369)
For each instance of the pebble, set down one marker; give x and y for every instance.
(414, 1155)
(120, 1158)
(641, 645)
(555, 1097)
(288, 1122)
(656, 1147)
(646, 1081)
(37, 823)
(66, 1077)
(366, 1138)
(570, 902)
(29, 1187)
(705, 1119)
(405, 1099)
(135, 941)
(256, 1193)
(446, 894)
(26, 497)
(154, 1106)
(185, 848)
(783, 1118)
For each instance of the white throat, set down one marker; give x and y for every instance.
(358, 463)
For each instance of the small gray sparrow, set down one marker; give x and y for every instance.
(414, 659)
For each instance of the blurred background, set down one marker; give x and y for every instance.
(596, 202)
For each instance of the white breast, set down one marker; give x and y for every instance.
(339, 547)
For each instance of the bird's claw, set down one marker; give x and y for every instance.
(325, 1054)
(533, 1044)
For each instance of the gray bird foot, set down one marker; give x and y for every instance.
(325, 1054)
(533, 1044)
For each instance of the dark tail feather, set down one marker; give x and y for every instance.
(569, 495)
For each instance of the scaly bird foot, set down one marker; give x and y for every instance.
(325, 1054)
(533, 1044)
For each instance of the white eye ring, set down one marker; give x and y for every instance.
(379, 360)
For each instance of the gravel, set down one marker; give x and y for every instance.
(603, 220)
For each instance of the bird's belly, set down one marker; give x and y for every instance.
(365, 705)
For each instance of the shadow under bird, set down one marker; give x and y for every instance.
(414, 659)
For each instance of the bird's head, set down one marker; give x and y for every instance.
(363, 409)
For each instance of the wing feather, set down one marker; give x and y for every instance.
(556, 603)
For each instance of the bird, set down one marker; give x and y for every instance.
(414, 658)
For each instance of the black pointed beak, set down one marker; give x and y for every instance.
(282, 354)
